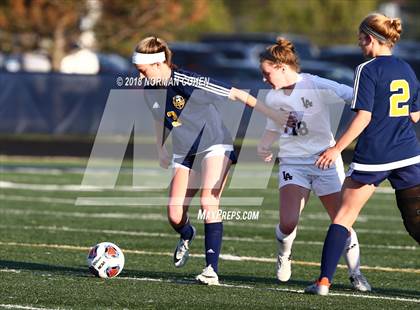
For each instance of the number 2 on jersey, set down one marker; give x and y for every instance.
(395, 110)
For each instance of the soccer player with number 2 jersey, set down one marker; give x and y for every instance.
(386, 102)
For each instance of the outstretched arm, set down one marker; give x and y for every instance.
(280, 117)
(358, 124)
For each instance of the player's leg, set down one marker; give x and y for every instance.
(215, 170)
(292, 200)
(327, 186)
(354, 197)
(184, 185)
(408, 201)
(351, 251)
(405, 181)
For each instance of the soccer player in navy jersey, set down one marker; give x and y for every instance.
(202, 145)
(386, 102)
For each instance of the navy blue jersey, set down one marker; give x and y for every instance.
(189, 113)
(387, 87)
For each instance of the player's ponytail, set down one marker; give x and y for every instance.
(283, 52)
(386, 30)
(152, 45)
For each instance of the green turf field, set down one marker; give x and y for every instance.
(48, 224)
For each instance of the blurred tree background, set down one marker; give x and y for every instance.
(55, 24)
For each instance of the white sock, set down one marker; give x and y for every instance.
(285, 241)
(351, 253)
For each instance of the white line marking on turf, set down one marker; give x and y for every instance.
(38, 199)
(285, 290)
(161, 201)
(6, 306)
(10, 270)
(228, 257)
(162, 217)
(73, 187)
(164, 235)
(79, 187)
(88, 202)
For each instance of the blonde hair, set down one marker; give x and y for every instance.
(151, 45)
(283, 52)
(388, 28)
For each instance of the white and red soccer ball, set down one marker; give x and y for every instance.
(105, 260)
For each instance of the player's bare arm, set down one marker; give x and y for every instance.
(358, 124)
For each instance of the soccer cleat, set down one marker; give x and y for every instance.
(208, 276)
(283, 268)
(181, 253)
(320, 287)
(360, 283)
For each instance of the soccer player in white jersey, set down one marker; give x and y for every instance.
(307, 133)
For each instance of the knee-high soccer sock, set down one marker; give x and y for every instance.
(333, 248)
(351, 253)
(285, 241)
(213, 243)
(186, 231)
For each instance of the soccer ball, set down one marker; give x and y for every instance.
(105, 260)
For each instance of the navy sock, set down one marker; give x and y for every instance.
(213, 243)
(333, 248)
(185, 231)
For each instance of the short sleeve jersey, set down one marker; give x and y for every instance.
(310, 101)
(387, 87)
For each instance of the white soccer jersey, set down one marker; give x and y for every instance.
(310, 102)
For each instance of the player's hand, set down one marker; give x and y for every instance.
(292, 120)
(281, 118)
(265, 153)
(327, 158)
(164, 158)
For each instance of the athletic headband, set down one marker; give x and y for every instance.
(147, 59)
(368, 30)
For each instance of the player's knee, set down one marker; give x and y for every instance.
(288, 228)
(408, 201)
(175, 216)
(209, 203)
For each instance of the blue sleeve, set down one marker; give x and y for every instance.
(218, 88)
(196, 81)
(364, 89)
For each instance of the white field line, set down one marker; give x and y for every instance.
(115, 201)
(9, 270)
(227, 257)
(78, 187)
(146, 171)
(45, 199)
(166, 236)
(73, 187)
(9, 306)
(161, 217)
(285, 290)
(161, 201)
(138, 202)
